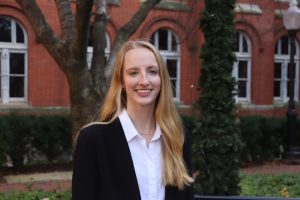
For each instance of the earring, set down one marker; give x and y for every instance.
(123, 91)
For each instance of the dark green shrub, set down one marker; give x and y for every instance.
(219, 145)
(19, 134)
(189, 122)
(262, 136)
(251, 136)
(4, 146)
(272, 129)
(26, 138)
(52, 135)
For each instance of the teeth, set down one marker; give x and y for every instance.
(144, 91)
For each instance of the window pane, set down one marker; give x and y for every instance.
(242, 89)
(172, 68)
(174, 87)
(276, 89)
(284, 45)
(17, 63)
(163, 40)
(5, 30)
(152, 39)
(276, 48)
(245, 45)
(89, 56)
(288, 88)
(16, 86)
(277, 70)
(106, 41)
(243, 69)
(0, 76)
(174, 43)
(90, 38)
(20, 34)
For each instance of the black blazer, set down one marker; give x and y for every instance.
(103, 167)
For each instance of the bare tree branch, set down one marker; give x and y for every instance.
(126, 31)
(98, 62)
(65, 18)
(81, 30)
(43, 31)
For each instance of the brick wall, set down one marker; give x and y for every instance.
(47, 85)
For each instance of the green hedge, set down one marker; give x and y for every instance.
(3, 141)
(30, 137)
(23, 136)
(264, 138)
(52, 136)
(19, 134)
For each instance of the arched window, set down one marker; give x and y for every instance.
(13, 65)
(242, 67)
(167, 43)
(281, 66)
(90, 48)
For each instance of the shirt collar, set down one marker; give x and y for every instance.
(129, 129)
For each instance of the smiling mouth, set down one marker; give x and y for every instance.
(143, 91)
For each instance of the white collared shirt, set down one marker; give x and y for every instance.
(147, 161)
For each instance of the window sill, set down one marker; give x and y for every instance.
(21, 105)
(27, 109)
(282, 104)
(173, 6)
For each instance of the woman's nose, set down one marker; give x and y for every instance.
(143, 79)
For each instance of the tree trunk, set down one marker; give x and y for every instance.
(87, 87)
(83, 99)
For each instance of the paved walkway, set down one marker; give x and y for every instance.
(61, 180)
(272, 168)
(46, 181)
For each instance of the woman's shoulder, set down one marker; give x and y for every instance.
(97, 129)
(94, 125)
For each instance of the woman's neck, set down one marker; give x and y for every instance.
(143, 120)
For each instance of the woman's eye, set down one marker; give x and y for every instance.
(153, 72)
(133, 73)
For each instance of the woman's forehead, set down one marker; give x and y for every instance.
(139, 56)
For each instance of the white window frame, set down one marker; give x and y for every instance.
(171, 55)
(89, 56)
(284, 59)
(5, 49)
(243, 56)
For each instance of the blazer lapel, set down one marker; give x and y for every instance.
(125, 173)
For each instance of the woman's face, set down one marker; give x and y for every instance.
(141, 79)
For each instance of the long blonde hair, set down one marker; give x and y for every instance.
(174, 168)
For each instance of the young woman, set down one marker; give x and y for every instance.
(139, 149)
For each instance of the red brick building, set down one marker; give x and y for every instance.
(30, 80)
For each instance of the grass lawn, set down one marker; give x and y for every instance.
(36, 195)
(279, 185)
